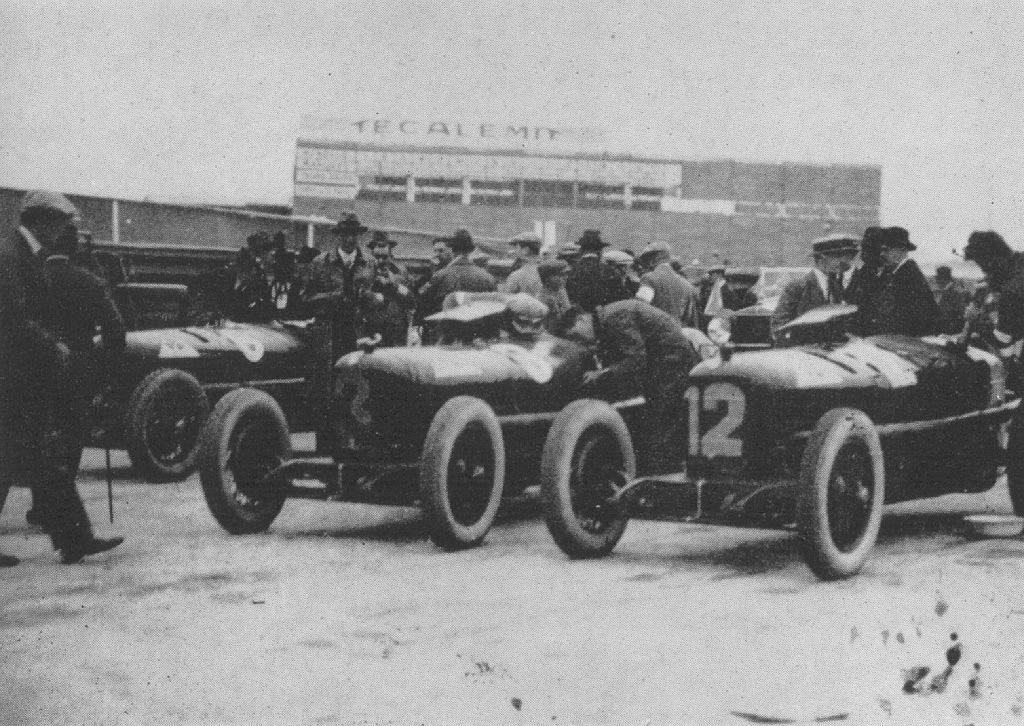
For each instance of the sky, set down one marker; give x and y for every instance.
(203, 101)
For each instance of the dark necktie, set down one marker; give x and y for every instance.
(835, 288)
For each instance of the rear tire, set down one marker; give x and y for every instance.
(587, 454)
(165, 416)
(842, 490)
(462, 473)
(245, 438)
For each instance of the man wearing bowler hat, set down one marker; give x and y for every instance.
(37, 428)
(905, 303)
(591, 282)
(833, 256)
(339, 285)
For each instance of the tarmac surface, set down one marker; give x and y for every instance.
(347, 614)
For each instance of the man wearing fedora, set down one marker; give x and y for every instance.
(461, 275)
(866, 282)
(525, 248)
(833, 256)
(339, 285)
(665, 289)
(389, 311)
(591, 282)
(905, 302)
(39, 428)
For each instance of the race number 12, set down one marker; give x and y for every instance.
(719, 440)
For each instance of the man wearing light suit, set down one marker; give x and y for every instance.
(833, 256)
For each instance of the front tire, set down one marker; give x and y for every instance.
(462, 473)
(165, 416)
(1015, 462)
(842, 491)
(245, 439)
(587, 455)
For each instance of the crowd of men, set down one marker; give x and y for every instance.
(640, 313)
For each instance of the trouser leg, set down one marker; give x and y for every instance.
(62, 513)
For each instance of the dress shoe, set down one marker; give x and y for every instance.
(8, 560)
(94, 545)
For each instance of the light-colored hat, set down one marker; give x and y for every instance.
(656, 248)
(836, 244)
(46, 199)
(527, 308)
(616, 257)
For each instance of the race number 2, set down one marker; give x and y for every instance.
(719, 440)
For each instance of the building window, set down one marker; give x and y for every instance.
(495, 193)
(601, 196)
(540, 193)
(382, 189)
(448, 191)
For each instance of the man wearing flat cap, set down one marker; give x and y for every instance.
(665, 289)
(591, 282)
(461, 275)
(905, 303)
(833, 256)
(525, 248)
(338, 285)
(552, 275)
(38, 445)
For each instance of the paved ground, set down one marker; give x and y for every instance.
(347, 614)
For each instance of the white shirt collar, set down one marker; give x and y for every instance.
(347, 258)
(822, 281)
(30, 240)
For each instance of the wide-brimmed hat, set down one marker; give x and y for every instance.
(381, 239)
(50, 201)
(896, 238)
(591, 240)
(349, 223)
(836, 244)
(527, 239)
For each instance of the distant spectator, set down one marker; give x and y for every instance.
(388, 311)
(711, 293)
(665, 289)
(525, 249)
(591, 282)
(951, 296)
(570, 253)
(905, 304)
(552, 275)
(253, 297)
(738, 293)
(461, 275)
(623, 264)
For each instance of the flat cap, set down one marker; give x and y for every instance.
(528, 240)
(549, 268)
(896, 238)
(656, 248)
(527, 307)
(836, 244)
(46, 199)
(617, 257)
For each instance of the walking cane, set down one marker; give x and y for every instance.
(110, 487)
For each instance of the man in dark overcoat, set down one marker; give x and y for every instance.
(592, 282)
(461, 275)
(338, 286)
(905, 304)
(866, 282)
(37, 427)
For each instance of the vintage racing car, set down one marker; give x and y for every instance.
(815, 436)
(162, 395)
(453, 426)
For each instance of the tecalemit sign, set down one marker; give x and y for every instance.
(386, 131)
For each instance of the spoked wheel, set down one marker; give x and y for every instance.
(588, 455)
(462, 473)
(165, 416)
(842, 490)
(245, 439)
